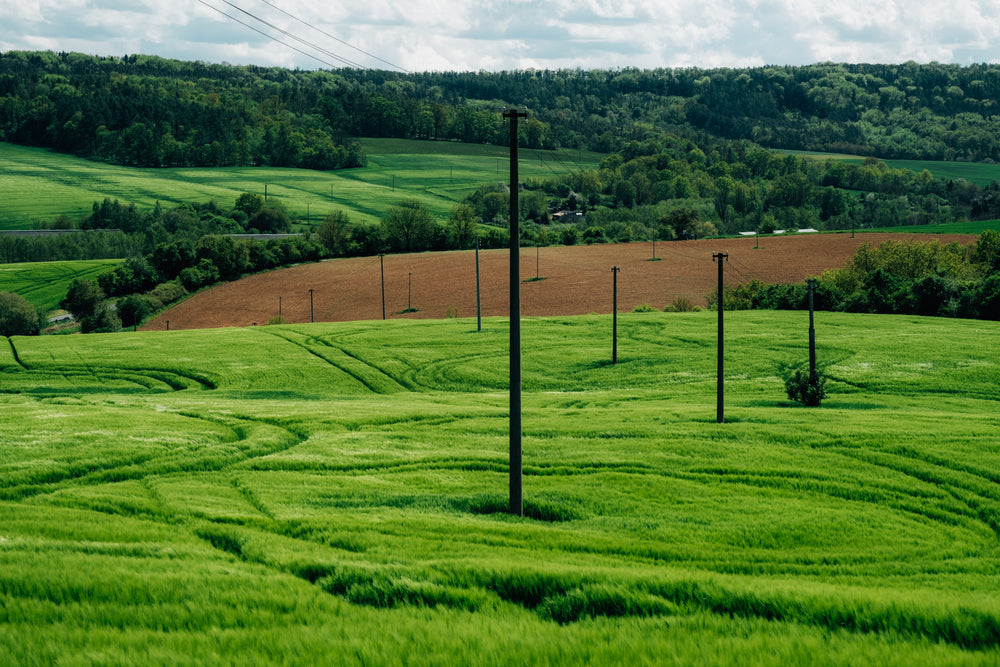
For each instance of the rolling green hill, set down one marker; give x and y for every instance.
(40, 185)
(44, 284)
(335, 492)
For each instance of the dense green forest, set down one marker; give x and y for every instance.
(150, 111)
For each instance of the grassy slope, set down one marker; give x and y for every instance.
(40, 185)
(288, 494)
(45, 284)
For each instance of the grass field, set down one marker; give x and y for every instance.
(333, 493)
(45, 284)
(977, 227)
(975, 172)
(41, 185)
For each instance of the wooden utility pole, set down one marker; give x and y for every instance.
(812, 334)
(381, 270)
(720, 409)
(614, 316)
(479, 302)
(516, 495)
(312, 316)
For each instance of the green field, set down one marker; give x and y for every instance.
(45, 284)
(40, 185)
(333, 494)
(977, 227)
(979, 173)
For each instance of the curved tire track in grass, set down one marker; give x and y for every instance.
(351, 365)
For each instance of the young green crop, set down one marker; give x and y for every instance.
(336, 492)
(41, 185)
(45, 284)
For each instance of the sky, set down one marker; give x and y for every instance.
(495, 35)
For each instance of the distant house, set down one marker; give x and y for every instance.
(568, 217)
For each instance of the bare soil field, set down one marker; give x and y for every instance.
(571, 280)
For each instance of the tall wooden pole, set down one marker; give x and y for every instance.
(720, 408)
(614, 316)
(381, 271)
(479, 301)
(812, 333)
(516, 495)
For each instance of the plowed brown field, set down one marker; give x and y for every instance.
(574, 280)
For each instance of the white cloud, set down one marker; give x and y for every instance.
(513, 34)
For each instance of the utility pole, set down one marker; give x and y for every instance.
(614, 316)
(479, 302)
(409, 291)
(720, 389)
(312, 317)
(812, 333)
(516, 495)
(381, 270)
(279, 306)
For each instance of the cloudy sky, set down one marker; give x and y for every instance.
(462, 35)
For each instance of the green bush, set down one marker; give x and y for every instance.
(17, 316)
(807, 389)
(681, 304)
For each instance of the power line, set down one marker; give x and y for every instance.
(335, 38)
(351, 63)
(304, 42)
(271, 37)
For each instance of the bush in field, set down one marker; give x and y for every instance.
(644, 308)
(205, 273)
(165, 294)
(276, 319)
(806, 389)
(134, 308)
(17, 316)
(681, 304)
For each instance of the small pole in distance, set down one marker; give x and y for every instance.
(812, 333)
(312, 317)
(614, 316)
(479, 302)
(381, 270)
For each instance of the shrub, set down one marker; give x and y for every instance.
(806, 389)
(644, 308)
(681, 304)
(167, 293)
(17, 316)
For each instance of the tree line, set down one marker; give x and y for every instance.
(151, 111)
(896, 277)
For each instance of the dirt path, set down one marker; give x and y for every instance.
(575, 280)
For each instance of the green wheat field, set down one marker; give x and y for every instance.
(40, 185)
(335, 494)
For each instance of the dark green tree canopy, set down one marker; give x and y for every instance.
(17, 316)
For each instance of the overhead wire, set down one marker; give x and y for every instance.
(316, 48)
(304, 42)
(334, 37)
(271, 37)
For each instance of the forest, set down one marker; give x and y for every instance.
(150, 111)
